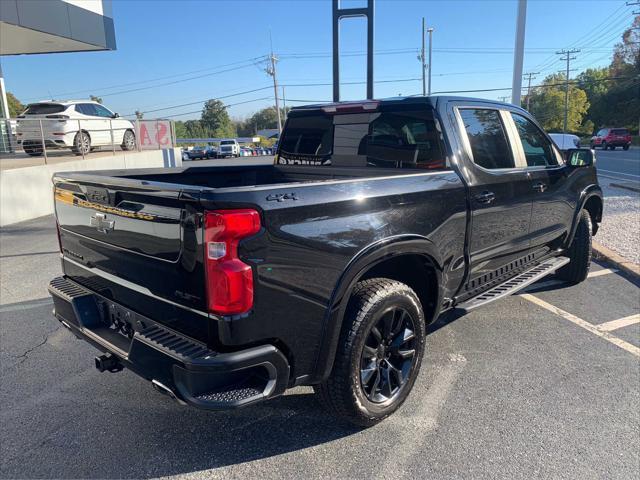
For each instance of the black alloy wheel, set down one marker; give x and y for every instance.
(388, 356)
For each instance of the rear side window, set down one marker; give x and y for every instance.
(537, 148)
(619, 131)
(487, 138)
(387, 139)
(44, 109)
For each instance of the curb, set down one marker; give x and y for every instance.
(603, 253)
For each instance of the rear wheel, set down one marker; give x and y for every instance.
(81, 143)
(579, 252)
(379, 353)
(33, 151)
(626, 147)
(128, 141)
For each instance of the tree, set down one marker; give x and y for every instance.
(180, 129)
(547, 105)
(265, 118)
(15, 106)
(95, 99)
(595, 83)
(215, 119)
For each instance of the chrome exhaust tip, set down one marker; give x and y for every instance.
(163, 389)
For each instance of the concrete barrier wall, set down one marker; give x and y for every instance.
(26, 193)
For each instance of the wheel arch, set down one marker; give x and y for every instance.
(591, 200)
(409, 259)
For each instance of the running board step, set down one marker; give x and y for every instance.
(514, 284)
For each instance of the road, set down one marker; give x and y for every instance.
(619, 164)
(518, 389)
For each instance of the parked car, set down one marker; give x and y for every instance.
(198, 153)
(80, 125)
(185, 155)
(229, 148)
(244, 152)
(212, 152)
(611, 138)
(224, 286)
(565, 141)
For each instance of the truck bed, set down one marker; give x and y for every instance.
(233, 177)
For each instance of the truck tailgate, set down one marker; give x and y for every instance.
(134, 245)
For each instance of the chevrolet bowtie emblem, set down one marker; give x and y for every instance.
(99, 220)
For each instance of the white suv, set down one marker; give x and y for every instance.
(80, 125)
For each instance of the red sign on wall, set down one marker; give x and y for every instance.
(154, 134)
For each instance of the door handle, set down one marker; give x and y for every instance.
(539, 187)
(485, 197)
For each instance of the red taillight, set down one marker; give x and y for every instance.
(229, 280)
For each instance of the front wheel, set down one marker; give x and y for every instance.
(128, 141)
(603, 145)
(626, 147)
(379, 353)
(579, 252)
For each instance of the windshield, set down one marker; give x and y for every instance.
(228, 142)
(44, 108)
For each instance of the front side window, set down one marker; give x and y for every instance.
(538, 150)
(487, 138)
(102, 111)
(86, 109)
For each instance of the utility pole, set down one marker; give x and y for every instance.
(518, 54)
(423, 60)
(271, 70)
(567, 57)
(504, 98)
(284, 104)
(430, 30)
(530, 75)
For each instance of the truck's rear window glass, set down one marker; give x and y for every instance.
(487, 138)
(44, 109)
(388, 139)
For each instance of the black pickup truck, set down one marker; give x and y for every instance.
(224, 286)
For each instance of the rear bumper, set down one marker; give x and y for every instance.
(180, 366)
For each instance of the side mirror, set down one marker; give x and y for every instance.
(580, 157)
(116, 115)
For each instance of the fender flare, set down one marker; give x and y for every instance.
(362, 262)
(589, 192)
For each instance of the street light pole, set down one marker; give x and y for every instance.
(430, 30)
(423, 59)
(518, 55)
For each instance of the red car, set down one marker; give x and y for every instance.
(611, 138)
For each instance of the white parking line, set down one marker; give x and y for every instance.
(619, 173)
(584, 324)
(604, 271)
(620, 323)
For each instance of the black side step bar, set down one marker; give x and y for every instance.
(514, 284)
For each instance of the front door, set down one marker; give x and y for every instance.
(500, 197)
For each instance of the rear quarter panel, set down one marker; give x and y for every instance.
(310, 237)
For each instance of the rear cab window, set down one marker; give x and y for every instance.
(44, 109)
(391, 137)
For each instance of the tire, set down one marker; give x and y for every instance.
(379, 307)
(625, 147)
(579, 252)
(592, 146)
(604, 145)
(33, 152)
(612, 147)
(128, 141)
(81, 143)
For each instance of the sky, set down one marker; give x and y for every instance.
(173, 55)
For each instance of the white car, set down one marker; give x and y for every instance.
(565, 141)
(80, 125)
(229, 148)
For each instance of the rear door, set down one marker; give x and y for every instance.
(499, 192)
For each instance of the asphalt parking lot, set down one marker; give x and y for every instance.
(515, 390)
